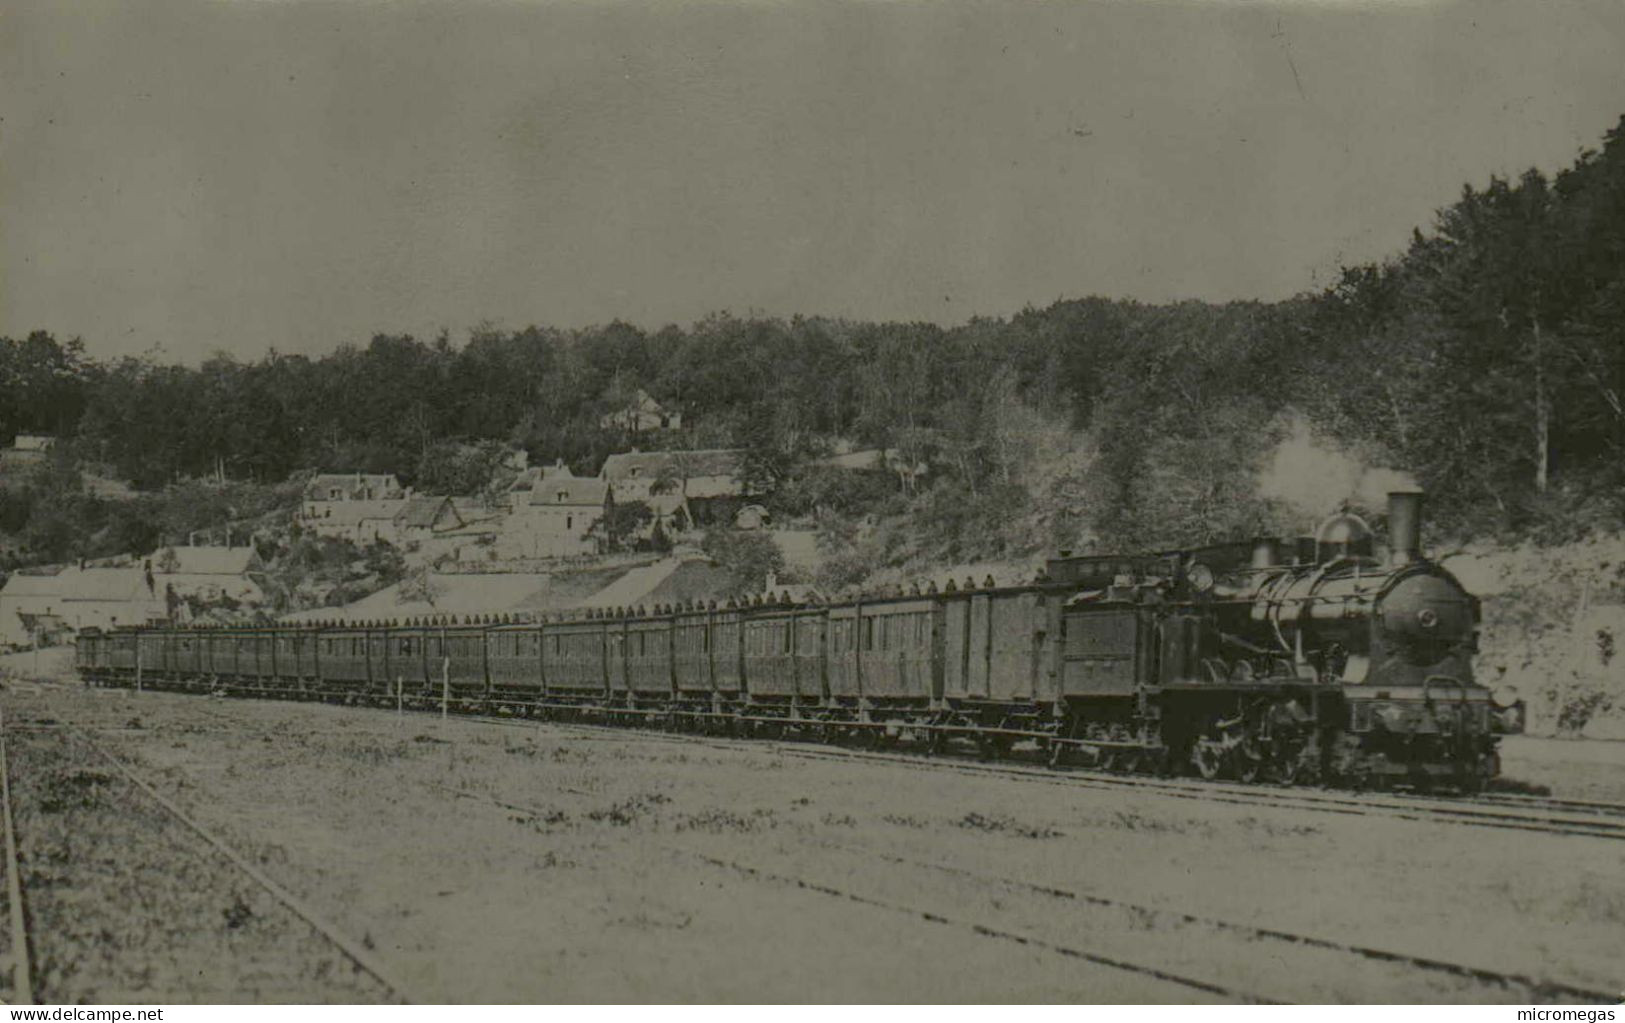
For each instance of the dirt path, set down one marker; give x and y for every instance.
(628, 869)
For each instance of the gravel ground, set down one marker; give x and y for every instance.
(126, 905)
(647, 870)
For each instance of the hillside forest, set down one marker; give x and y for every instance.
(1485, 360)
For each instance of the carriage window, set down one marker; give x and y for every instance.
(868, 634)
(789, 636)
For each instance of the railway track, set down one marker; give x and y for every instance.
(1592, 820)
(955, 921)
(1518, 986)
(1505, 811)
(351, 949)
(1534, 812)
(18, 952)
(1533, 988)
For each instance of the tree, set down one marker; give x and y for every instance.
(622, 524)
(675, 471)
(749, 557)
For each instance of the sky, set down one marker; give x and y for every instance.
(193, 176)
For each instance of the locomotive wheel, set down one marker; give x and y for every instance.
(1056, 757)
(994, 747)
(1287, 768)
(1207, 756)
(1303, 767)
(1248, 761)
(1475, 777)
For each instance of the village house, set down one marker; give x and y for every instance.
(360, 507)
(52, 604)
(26, 451)
(425, 518)
(877, 459)
(361, 522)
(328, 490)
(642, 415)
(709, 483)
(554, 516)
(519, 490)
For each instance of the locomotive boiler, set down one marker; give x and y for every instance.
(1307, 659)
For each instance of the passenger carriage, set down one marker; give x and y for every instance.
(641, 673)
(575, 667)
(453, 662)
(295, 658)
(513, 660)
(343, 659)
(782, 680)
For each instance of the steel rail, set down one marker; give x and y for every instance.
(352, 950)
(931, 916)
(1459, 811)
(22, 978)
(1400, 809)
(1540, 990)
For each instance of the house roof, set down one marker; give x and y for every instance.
(653, 464)
(33, 584)
(421, 512)
(870, 458)
(33, 442)
(207, 560)
(472, 509)
(672, 580)
(353, 484)
(350, 513)
(528, 478)
(639, 402)
(476, 594)
(91, 584)
(573, 490)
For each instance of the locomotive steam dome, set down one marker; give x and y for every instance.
(1342, 534)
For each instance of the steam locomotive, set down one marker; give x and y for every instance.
(1297, 661)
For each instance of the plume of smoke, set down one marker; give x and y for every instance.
(1315, 476)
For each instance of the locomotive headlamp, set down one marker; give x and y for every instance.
(1427, 618)
(1504, 697)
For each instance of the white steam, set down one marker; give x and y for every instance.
(1315, 476)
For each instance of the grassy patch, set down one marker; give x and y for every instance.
(1008, 825)
(718, 821)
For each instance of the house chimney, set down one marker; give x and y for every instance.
(1404, 527)
(772, 582)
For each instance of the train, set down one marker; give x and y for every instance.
(1297, 660)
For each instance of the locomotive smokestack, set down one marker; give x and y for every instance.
(1404, 526)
